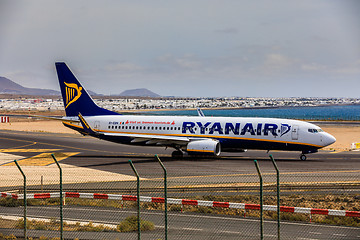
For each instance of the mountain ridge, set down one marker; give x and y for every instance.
(8, 86)
(138, 92)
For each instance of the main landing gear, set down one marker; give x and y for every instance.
(177, 154)
(303, 157)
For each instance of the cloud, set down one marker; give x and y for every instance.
(209, 43)
(186, 62)
(276, 62)
(313, 67)
(227, 30)
(349, 69)
(123, 67)
(345, 69)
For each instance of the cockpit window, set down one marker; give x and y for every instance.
(313, 130)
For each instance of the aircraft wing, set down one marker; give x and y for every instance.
(63, 119)
(151, 139)
(200, 112)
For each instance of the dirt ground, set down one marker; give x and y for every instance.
(344, 134)
(37, 126)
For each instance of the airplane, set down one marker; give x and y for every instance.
(187, 135)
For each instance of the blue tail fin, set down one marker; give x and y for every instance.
(75, 97)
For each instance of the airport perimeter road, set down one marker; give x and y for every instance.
(187, 225)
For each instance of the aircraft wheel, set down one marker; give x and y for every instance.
(177, 154)
(303, 157)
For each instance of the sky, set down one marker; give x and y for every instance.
(187, 48)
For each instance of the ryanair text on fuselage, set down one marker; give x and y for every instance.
(235, 128)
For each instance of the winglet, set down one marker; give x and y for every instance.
(86, 126)
(200, 112)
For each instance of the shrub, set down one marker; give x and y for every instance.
(10, 202)
(130, 224)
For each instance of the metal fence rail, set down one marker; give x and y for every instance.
(201, 200)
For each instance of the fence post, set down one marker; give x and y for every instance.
(277, 193)
(25, 203)
(261, 201)
(137, 198)
(165, 196)
(61, 200)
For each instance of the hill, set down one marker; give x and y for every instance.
(9, 87)
(140, 92)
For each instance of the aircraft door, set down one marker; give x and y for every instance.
(295, 132)
(97, 125)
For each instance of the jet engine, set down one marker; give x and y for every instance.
(205, 146)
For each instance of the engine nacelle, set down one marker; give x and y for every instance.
(206, 146)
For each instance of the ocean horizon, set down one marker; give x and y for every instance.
(331, 113)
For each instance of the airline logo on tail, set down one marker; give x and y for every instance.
(73, 93)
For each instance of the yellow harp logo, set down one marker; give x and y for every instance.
(73, 93)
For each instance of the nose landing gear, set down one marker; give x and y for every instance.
(303, 157)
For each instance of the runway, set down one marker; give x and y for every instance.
(228, 170)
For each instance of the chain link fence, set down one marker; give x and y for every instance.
(202, 204)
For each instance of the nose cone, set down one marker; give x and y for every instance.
(328, 139)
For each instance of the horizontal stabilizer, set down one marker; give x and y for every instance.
(86, 126)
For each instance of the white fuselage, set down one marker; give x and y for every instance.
(232, 133)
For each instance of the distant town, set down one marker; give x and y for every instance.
(53, 103)
(14, 97)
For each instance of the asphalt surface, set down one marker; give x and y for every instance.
(107, 156)
(230, 168)
(183, 225)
